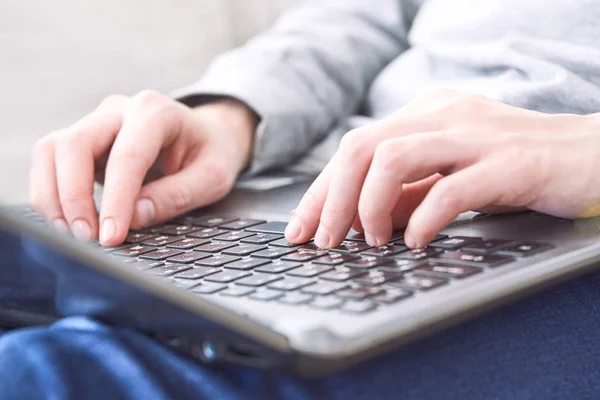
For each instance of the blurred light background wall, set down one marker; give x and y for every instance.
(60, 58)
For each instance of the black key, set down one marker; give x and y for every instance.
(188, 258)
(234, 236)
(326, 302)
(137, 237)
(226, 276)
(342, 274)
(277, 267)
(289, 284)
(236, 291)
(207, 233)
(169, 269)
(161, 254)
(295, 298)
(419, 254)
(214, 247)
(359, 293)
(309, 246)
(258, 280)
(336, 259)
(360, 237)
(419, 283)
(212, 222)
(283, 243)
(163, 240)
(261, 238)
(242, 223)
(525, 249)
(244, 249)
(266, 295)
(310, 270)
(269, 227)
(217, 260)
(399, 265)
(247, 264)
(368, 262)
(390, 296)
(471, 259)
(273, 252)
(208, 288)
(304, 255)
(455, 242)
(179, 230)
(375, 278)
(324, 288)
(448, 271)
(386, 251)
(197, 273)
(142, 265)
(358, 307)
(351, 247)
(187, 244)
(487, 246)
(133, 251)
(155, 229)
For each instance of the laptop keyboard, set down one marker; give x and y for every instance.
(248, 258)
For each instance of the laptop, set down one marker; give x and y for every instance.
(221, 284)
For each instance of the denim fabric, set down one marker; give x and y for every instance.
(543, 347)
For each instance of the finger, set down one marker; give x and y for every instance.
(410, 198)
(76, 151)
(498, 181)
(151, 124)
(401, 161)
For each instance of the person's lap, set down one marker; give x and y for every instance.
(545, 346)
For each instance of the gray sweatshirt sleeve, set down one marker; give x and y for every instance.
(312, 69)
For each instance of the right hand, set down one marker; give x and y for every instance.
(198, 153)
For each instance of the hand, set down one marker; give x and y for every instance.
(445, 154)
(198, 153)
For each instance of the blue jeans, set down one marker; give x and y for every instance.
(543, 347)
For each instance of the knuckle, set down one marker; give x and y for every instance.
(72, 198)
(112, 101)
(309, 202)
(390, 154)
(222, 179)
(447, 195)
(353, 143)
(181, 198)
(150, 99)
(42, 147)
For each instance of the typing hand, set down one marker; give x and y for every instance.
(445, 154)
(195, 153)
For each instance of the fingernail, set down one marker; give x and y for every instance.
(61, 225)
(145, 211)
(371, 240)
(322, 237)
(109, 229)
(293, 229)
(410, 241)
(82, 230)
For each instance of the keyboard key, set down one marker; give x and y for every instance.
(368, 262)
(187, 244)
(304, 255)
(324, 288)
(184, 284)
(207, 233)
(247, 264)
(137, 237)
(133, 251)
(244, 249)
(310, 270)
(342, 274)
(269, 227)
(227, 276)
(179, 230)
(217, 260)
(234, 236)
(283, 243)
(197, 273)
(419, 254)
(419, 283)
(336, 259)
(169, 269)
(448, 271)
(160, 241)
(326, 302)
(359, 293)
(358, 307)
(273, 252)
(278, 267)
(208, 288)
(360, 237)
(454, 243)
(351, 247)
(266, 295)
(375, 278)
(141, 265)
(261, 238)
(525, 249)
(289, 284)
(471, 259)
(242, 223)
(399, 265)
(385, 251)
(487, 246)
(236, 291)
(390, 296)
(214, 247)
(161, 254)
(258, 280)
(188, 258)
(295, 298)
(212, 222)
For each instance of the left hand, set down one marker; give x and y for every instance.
(445, 154)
